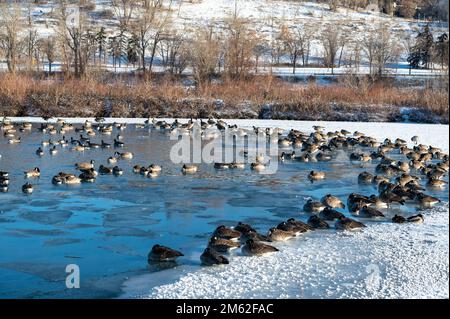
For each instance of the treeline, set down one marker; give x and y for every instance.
(143, 31)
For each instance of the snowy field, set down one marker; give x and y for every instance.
(385, 260)
(264, 17)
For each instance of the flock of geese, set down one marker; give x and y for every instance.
(397, 182)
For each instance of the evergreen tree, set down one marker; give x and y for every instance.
(441, 50)
(421, 53)
(132, 50)
(101, 42)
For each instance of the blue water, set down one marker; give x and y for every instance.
(107, 228)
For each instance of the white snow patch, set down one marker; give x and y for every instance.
(385, 260)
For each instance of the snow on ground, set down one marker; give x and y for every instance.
(385, 260)
(263, 16)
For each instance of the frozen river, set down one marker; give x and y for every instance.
(108, 227)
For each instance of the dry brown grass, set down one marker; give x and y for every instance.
(91, 96)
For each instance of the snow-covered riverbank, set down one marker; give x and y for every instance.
(384, 261)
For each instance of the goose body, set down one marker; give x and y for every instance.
(36, 172)
(210, 257)
(189, 168)
(255, 248)
(160, 253)
(318, 223)
(345, 223)
(332, 201)
(275, 234)
(222, 245)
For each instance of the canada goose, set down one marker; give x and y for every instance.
(314, 175)
(426, 201)
(258, 166)
(243, 228)
(418, 219)
(90, 171)
(330, 214)
(4, 174)
(255, 248)
(14, 140)
(152, 173)
(4, 181)
(189, 168)
(436, 183)
(45, 143)
(117, 171)
(210, 257)
(390, 197)
(295, 226)
(79, 148)
(312, 206)
(136, 169)
(87, 177)
(105, 145)
(332, 201)
(118, 143)
(316, 222)
(276, 234)
(89, 165)
(144, 170)
(222, 245)
(71, 180)
(3, 188)
(57, 180)
(36, 172)
(124, 155)
(345, 223)
(365, 178)
(112, 160)
(237, 165)
(27, 188)
(53, 151)
(155, 167)
(227, 233)
(221, 165)
(39, 152)
(160, 253)
(324, 157)
(370, 212)
(415, 139)
(105, 170)
(356, 201)
(398, 219)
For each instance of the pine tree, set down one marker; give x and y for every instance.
(101, 43)
(132, 50)
(421, 53)
(441, 50)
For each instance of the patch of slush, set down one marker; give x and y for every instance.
(385, 260)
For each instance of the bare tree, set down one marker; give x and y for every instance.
(408, 42)
(386, 49)
(239, 46)
(10, 27)
(205, 54)
(148, 27)
(49, 50)
(173, 51)
(330, 41)
(123, 11)
(31, 41)
(75, 35)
